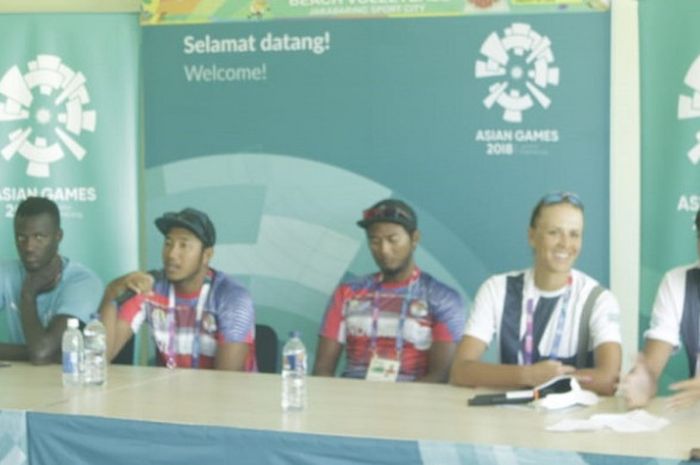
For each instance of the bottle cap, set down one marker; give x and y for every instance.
(73, 323)
(295, 333)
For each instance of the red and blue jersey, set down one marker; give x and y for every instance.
(433, 313)
(228, 316)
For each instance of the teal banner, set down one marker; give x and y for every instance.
(69, 131)
(285, 131)
(670, 90)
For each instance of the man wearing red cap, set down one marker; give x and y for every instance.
(398, 324)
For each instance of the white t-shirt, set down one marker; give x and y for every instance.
(604, 326)
(666, 316)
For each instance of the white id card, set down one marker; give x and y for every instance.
(383, 369)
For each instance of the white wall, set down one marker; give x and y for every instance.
(625, 170)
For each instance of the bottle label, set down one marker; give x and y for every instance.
(295, 362)
(70, 362)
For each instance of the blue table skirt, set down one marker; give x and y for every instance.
(13, 437)
(75, 440)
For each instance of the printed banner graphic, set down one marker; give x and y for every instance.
(211, 11)
(65, 91)
(670, 89)
(285, 131)
(68, 126)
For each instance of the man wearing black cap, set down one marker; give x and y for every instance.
(397, 324)
(199, 317)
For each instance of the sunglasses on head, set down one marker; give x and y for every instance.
(559, 197)
(386, 212)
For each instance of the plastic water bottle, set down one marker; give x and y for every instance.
(293, 373)
(72, 353)
(95, 360)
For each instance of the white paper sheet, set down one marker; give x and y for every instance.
(636, 421)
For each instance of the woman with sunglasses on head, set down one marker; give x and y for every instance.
(550, 319)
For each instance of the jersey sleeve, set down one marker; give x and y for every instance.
(667, 313)
(132, 312)
(449, 313)
(80, 295)
(483, 320)
(333, 324)
(236, 314)
(605, 320)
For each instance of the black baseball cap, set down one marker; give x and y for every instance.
(390, 211)
(191, 219)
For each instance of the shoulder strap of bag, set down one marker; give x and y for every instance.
(583, 331)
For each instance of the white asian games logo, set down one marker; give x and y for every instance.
(689, 105)
(520, 64)
(49, 102)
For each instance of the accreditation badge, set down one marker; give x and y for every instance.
(208, 323)
(418, 309)
(383, 369)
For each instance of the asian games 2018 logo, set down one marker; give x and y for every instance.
(689, 105)
(49, 102)
(520, 65)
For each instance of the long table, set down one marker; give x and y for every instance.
(177, 416)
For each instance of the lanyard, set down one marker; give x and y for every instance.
(529, 332)
(529, 343)
(199, 309)
(563, 306)
(408, 296)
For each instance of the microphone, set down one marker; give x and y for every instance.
(129, 293)
(511, 397)
(556, 385)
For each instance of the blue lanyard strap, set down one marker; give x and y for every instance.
(199, 309)
(563, 307)
(408, 297)
(528, 348)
